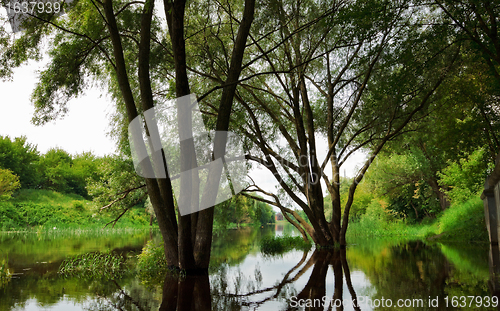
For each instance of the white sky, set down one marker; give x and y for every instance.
(83, 129)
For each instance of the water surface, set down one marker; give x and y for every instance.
(372, 272)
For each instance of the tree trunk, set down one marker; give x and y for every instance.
(195, 231)
(443, 199)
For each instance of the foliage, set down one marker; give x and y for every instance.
(374, 67)
(21, 158)
(43, 208)
(362, 198)
(152, 264)
(377, 216)
(462, 222)
(240, 210)
(116, 181)
(281, 244)
(65, 173)
(8, 184)
(465, 178)
(93, 265)
(55, 170)
(58, 175)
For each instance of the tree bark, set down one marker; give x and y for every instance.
(169, 237)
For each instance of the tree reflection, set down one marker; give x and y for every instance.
(186, 294)
(398, 271)
(314, 290)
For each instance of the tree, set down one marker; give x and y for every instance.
(402, 178)
(116, 188)
(124, 45)
(465, 178)
(464, 120)
(21, 158)
(477, 22)
(355, 78)
(8, 184)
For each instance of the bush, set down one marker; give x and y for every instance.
(464, 221)
(78, 205)
(9, 182)
(376, 216)
(465, 178)
(152, 264)
(10, 217)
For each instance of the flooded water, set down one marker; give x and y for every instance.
(371, 274)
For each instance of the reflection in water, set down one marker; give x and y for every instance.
(278, 229)
(186, 293)
(313, 295)
(241, 278)
(494, 263)
(198, 293)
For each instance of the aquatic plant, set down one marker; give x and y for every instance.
(283, 244)
(93, 265)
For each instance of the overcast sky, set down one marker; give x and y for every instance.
(83, 129)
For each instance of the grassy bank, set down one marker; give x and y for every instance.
(44, 209)
(462, 222)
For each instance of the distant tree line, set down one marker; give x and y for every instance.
(99, 179)
(55, 170)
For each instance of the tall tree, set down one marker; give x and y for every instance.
(124, 46)
(363, 73)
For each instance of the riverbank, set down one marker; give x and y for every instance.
(45, 209)
(462, 222)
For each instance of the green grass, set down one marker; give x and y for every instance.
(282, 244)
(152, 266)
(465, 221)
(462, 222)
(44, 209)
(93, 265)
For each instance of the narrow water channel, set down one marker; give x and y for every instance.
(371, 274)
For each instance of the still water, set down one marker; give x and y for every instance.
(378, 274)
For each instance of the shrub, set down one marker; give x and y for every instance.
(9, 183)
(152, 264)
(464, 221)
(78, 205)
(465, 178)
